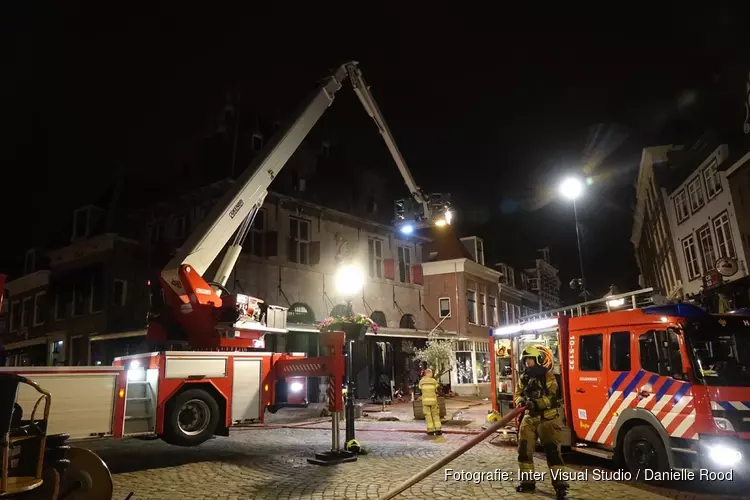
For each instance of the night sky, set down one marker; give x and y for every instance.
(495, 107)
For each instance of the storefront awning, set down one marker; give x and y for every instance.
(383, 332)
(119, 335)
(25, 343)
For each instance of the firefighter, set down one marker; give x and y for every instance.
(429, 386)
(537, 391)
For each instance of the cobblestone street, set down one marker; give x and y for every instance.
(271, 463)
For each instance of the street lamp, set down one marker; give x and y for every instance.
(349, 280)
(572, 189)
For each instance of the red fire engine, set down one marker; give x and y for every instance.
(187, 396)
(659, 387)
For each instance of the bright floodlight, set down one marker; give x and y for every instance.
(349, 280)
(407, 229)
(441, 222)
(571, 188)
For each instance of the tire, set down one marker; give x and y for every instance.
(643, 449)
(191, 418)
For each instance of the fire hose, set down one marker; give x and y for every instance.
(454, 454)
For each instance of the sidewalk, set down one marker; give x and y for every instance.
(465, 415)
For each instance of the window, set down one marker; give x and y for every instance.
(464, 365)
(408, 321)
(471, 307)
(482, 354)
(724, 236)
(681, 206)
(80, 290)
(707, 248)
(504, 320)
(257, 142)
(299, 230)
(482, 310)
(81, 223)
(26, 312)
(511, 276)
(59, 306)
(339, 310)
(492, 310)
(300, 313)
(712, 178)
(480, 252)
(691, 257)
(591, 352)
(325, 149)
(404, 264)
(695, 190)
(29, 262)
(96, 303)
(660, 353)
(444, 305)
(517, 313)
(180, 224)
(258, 234)
(119, 292)
(375, 253)
(619, 351)
(379, 318)
(15, 315)
(39, 308)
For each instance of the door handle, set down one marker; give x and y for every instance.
(581, 390)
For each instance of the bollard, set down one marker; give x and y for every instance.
(453, 455)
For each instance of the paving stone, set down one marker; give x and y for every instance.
(272, 464)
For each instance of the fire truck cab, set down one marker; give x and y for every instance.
(659, 387)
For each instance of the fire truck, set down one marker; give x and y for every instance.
(218, 376)
(654, 386)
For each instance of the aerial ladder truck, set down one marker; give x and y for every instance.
(187, 396)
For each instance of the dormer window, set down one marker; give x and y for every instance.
(29, 263)
(81, 223)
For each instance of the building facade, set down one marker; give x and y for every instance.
(544, 282)
(703, 220)
(651, 236)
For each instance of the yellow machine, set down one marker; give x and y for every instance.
(36, 466)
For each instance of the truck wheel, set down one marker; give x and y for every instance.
(643, 449)
(191, 418)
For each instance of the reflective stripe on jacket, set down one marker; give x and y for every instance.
(428, 386)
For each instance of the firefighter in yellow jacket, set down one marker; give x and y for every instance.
(537, 390)
(429, 386)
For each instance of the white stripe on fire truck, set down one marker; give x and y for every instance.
(676, 410)
(739, 405)
(661, 403)
(643, 402)
(611, 424)
(716, 406)
(685, 425)
(602, 414)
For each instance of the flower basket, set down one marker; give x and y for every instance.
(354, 327)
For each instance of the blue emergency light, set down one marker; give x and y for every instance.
(676, 310)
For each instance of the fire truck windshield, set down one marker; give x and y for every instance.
(721, 350)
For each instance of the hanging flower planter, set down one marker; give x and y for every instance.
(355, 327)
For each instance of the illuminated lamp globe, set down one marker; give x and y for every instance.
(571, 188)
(349, 280)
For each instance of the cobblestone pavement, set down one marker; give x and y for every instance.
(271, 463)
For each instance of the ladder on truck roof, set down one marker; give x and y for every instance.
(620, 302)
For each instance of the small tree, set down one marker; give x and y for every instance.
(440, 355)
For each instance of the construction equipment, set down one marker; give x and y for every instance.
(44, 467)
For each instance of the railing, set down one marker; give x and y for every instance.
(630, 300)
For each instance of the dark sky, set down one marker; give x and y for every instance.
(494, 106)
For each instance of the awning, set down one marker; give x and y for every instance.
(25, 343)
(406, 333)
(120, 335)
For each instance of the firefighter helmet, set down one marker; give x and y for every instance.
(541, 355)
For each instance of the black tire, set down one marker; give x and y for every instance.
(191, 418)
(643, 449)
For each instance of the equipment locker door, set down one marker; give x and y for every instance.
(246, 389)
(588, 381)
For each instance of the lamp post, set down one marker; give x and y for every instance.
(572, 189)
(349, 281)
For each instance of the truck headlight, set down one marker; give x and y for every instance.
(723, 424)
(296, 387)
(724, 455)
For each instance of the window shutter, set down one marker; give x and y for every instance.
(416, 274)
(314, 253)
(272, 244)
(389, 269)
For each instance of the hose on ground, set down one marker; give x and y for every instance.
(454, 454)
